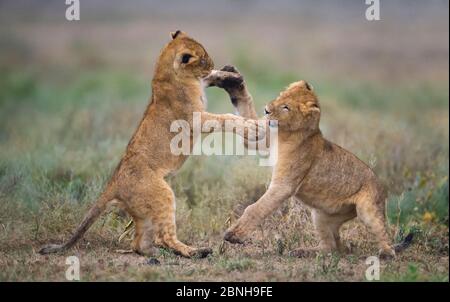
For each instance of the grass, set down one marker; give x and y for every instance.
(62, 135)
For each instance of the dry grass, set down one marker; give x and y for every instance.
(46, 191)
(264, 260)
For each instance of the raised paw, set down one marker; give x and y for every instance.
(230, 68)
(224, 79)
(252, 129)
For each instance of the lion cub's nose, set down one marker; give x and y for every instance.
(266, 112)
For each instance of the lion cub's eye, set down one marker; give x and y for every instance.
(185, 58)
(285, 108)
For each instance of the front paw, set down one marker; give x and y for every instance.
(254, 129)
(227, 78)
(230, 68)
(233, 81)
(201, 252)
(250, 129)
(232, 237)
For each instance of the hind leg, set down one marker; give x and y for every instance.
(166, 237)
(143, 237)
(156, 211)
(370, 209)
(166, 230)
(327, 227)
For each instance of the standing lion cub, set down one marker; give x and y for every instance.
(138, 184)
(332, 181)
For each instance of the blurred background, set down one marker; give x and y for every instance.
(326, 38)
(72, 93)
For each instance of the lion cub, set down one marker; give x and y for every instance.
(139, 184)
(332, 181)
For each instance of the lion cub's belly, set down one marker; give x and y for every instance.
(330, 206)
(329, 197)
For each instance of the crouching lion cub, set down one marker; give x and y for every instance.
(332, 181)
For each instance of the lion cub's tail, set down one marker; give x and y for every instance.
(406, 242)
(88, 220)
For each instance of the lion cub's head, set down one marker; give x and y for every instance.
(184, 57)
(296, 108)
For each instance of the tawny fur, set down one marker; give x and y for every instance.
(138, 184)
(333, 182)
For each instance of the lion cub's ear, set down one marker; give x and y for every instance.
(175, 34)
(310, 108)
(305, 84)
